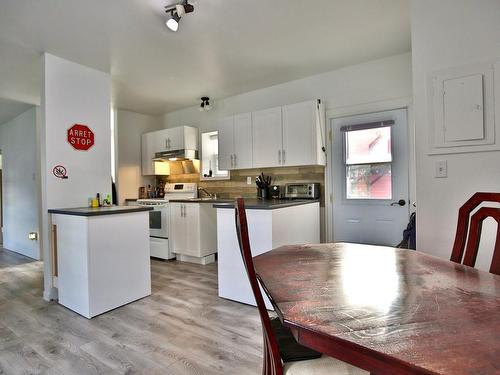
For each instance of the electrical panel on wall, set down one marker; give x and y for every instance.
(461, 103)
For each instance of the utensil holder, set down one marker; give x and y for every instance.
(263, 193)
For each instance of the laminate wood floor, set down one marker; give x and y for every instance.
(182, 328)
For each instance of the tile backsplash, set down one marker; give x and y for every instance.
(237, 185)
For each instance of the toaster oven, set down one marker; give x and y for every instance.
(307, 190)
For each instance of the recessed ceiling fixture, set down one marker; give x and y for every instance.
(176, 12)
(205, 104)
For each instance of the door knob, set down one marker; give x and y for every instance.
(400, 202)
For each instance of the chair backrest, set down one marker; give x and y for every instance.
(272, 359)
(472, 234)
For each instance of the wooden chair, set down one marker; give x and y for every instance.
(282, 354)
(471, 235)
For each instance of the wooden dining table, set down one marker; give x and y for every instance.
(386, 310)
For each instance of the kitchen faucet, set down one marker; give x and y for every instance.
(210, 195)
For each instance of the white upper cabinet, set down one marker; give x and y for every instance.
(267, 138)
(242, 158)
(225, 129)
(302, 134)
(182, 137)
(235, 142)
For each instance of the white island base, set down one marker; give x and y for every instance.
(268, 227)
(103, 260)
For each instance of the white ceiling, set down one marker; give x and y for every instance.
(225, 47)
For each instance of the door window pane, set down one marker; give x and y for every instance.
(369, 181)
(368, 146)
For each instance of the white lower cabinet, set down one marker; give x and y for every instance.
(193, 232)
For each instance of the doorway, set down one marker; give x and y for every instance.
(370, 171)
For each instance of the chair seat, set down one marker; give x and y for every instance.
(290, 349)
(322, 366)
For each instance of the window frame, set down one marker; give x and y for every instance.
(364, 201)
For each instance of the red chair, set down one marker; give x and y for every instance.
(282, 354)
(471, 235)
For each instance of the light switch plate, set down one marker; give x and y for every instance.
(249, 180)
(441, 169)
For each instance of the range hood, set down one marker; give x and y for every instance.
(176, 155)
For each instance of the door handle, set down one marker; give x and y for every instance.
(283, 154)
(232, 160)
(235, 160)
(400, 202)
(279, 156)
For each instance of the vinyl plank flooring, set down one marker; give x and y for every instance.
(182, 328)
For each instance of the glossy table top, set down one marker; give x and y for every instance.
(387, 310)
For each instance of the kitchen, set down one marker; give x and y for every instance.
(129, 128)
(193, 184)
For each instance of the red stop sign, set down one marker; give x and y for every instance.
(80, 137)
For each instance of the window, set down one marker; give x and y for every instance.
(368, 160)
(210, 157)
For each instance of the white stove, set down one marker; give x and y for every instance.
(160, 216)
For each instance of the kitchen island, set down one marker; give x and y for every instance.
(271, 223)
(102, 257)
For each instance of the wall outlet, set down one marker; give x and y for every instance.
(441, 169)
(249, 180)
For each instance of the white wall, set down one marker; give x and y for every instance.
(72, 93)
(450, 33)
(129, 128)
(20, 188)
(378, 80)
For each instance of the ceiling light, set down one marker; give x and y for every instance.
(173, 22)
(176, 12)
(205, 104)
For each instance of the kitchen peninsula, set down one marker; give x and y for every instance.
(271, 223)
(102, 257)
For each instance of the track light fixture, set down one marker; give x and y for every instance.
(176, 12)
(205, 104)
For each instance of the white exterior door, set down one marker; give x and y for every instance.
(370, 177)
(243, 141)
(267, 138)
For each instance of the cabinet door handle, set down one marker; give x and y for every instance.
(235, 160)
(232, 161)
(279, 156)
(182, 210)
(283, 153)
(166, 144)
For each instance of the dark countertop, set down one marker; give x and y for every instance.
(268, 204)
(89, 211)
(202, 200)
